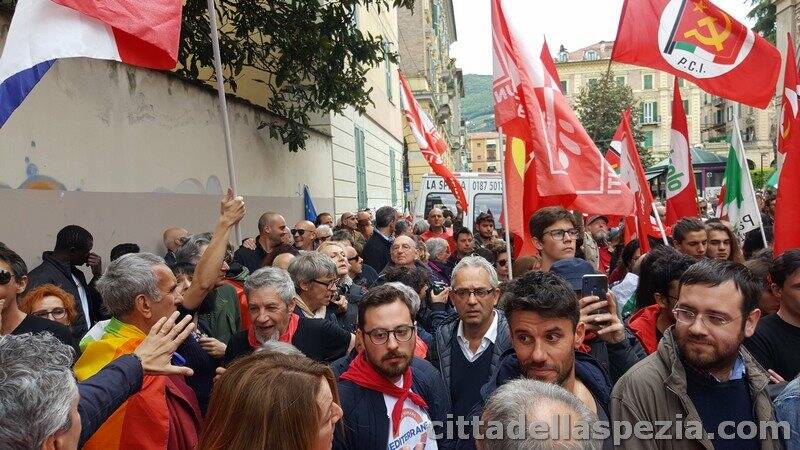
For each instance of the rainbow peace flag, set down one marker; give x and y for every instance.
(142, 422)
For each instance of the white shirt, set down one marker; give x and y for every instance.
(415, 430)
(320, 313)
(489, 338)
(84, 300)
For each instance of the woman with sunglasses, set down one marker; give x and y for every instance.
(13, 282)
(49, 301)
(501, 262)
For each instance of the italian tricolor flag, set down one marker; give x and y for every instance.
(737, 198)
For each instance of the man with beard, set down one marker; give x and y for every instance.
(597, 228)
(700, 371)
(546, 334)
(390, 399)
(271, 304)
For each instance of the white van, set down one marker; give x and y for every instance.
(484, 192)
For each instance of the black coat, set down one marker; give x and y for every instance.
(53, 271)
(365, 424)
(376, 252)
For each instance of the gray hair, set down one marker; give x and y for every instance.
(436, 246)
(528, 401)
(279, 348)
(37, 389)
(409, 293)
(189, 252)
(310, 266)
(324, 230)
(420, 226)
(126, 278)
(271, 277)
(478, 262)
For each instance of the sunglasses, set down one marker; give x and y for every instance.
(354, 258)
(298, 231)
(5, 277)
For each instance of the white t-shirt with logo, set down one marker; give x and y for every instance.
(415, 431)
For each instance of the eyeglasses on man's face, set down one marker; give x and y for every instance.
(380, 336)
(688, 317)
(558, 235)
(480, 293)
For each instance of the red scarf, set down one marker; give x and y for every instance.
(363, 374)
(287, 336)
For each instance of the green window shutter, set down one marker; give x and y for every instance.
(648, 82)
(620, 81)
(393, 177)
(648, 139)
(388, 69)
(361, 169)
(656, 117)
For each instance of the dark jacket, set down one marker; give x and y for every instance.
(258, 258)
(440, 272)
(587, 370)
(442, 345)
(376, 252)
(53, 271)
(107, 390)
(367, 278)
(365, 424)
(616, 359)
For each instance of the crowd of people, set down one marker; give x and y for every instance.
(372, 330)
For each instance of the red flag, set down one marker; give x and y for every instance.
(147, 32)
(787, 204)
(632, 174)
(431, 145)
(702, 43)
(681, 188)
(555, 159)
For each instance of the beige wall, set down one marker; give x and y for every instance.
(123, 149)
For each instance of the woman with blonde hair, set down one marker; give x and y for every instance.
(271, 401)
(49, 301)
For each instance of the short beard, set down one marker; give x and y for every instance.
(601, 238)
(392, 372)
(262, 340)
(721, 357)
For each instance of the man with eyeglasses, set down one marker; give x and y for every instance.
(554, 233)
(701, 376)
(466, 348)
(304, 234)
(390, 399)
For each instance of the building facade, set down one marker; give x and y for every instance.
(426, 33)
(709, 118)
(484, 152)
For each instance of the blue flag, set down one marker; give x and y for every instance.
(311, 212)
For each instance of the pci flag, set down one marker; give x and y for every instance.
(737, 196)
(431, 145)
(681, 189)
(143, 33)
(554, 156)
(696, 40)
(789, 137)
(787, 178)
(632, 174)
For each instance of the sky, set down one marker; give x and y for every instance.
(573, 23)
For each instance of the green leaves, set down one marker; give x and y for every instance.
(308, 55)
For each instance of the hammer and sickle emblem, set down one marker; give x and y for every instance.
(714, 38)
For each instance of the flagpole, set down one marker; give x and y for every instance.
(660, 225)
(223, 105)
(507, 225)
(747, 172)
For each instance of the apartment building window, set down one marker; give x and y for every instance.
(388, 68)
(720, 117)
(686, 106)
(730, 113)
(680, 82)
(648, 139)
(361, 168)
(564, 87)
(435, 18)
(649, 113)
(592, 82)
(563, 57)
(647, 81)
(491, 153)
(620, 81)
(591, 55)
(393, 176)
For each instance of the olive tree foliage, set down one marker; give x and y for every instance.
(308, 55)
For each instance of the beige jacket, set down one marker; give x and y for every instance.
(655, 390)
(590, 251)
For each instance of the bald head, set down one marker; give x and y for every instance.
(283, 260)
(172, 237)
(273, 227)
(304, 234)
(404, 251)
